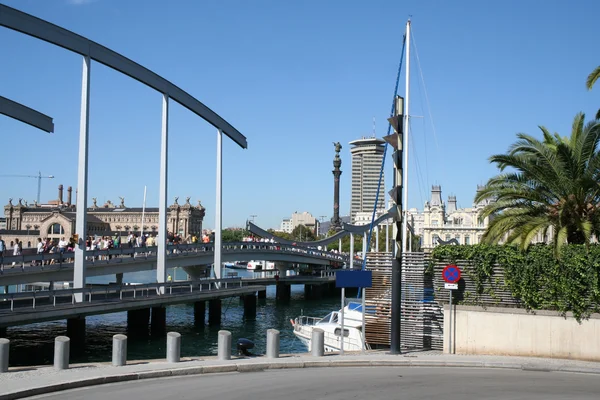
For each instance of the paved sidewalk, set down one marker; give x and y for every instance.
(29, 381)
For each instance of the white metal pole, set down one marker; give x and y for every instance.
(218, 205)
(342, 322)
(387, 235)
(351, 263)
(79, 270)
(364, 311)
(340, 245)
(405, 144)
(365, 246)
(161, 257)
(450, 327)
(143, 212)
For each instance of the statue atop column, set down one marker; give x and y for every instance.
(336, 222)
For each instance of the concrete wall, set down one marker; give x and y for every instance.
(510, 331)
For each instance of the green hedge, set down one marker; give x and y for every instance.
(535, 277)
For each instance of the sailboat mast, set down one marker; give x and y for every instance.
(405, 144)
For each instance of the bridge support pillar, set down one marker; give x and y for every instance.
(2, 332)
(119, 278)
(214, 311)
(249, 306)
(262, 294)
(308, 291)
(76, 332)
(199, 313)
(6, 289)
(313, 292)
(158, 321)
(283, 291)
(137, 322)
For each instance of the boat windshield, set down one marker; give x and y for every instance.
(331, 317)
(355, 307)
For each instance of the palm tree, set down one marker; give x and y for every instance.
(591, 80)
(554, 185)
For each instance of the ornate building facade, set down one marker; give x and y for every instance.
(57, 219)
(446, 221)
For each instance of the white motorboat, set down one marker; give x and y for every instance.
(331, 326)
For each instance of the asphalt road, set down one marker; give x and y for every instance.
(354, 383)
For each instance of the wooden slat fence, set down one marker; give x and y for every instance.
(422, 316)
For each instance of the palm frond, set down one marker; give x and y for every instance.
(592, 78)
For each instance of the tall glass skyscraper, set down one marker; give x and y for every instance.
(367, 155)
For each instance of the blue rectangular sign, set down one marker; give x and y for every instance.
(353, 279)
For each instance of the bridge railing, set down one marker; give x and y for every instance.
(119, 255)
(133, 290)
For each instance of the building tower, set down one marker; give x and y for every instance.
(367, 155)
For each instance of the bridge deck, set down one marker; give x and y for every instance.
(32, 307)
(59, 267)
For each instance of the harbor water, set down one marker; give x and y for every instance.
(34, 344)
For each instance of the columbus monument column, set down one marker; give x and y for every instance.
(336, 223)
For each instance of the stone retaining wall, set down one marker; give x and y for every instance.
(517, 332)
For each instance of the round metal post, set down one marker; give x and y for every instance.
(317, 342)
(173, 347)
(119, 350)
(224, 342)
(61, 352)
(4, 348)
(450, 347)
(272, 343)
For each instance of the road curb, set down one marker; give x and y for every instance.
(263, 366)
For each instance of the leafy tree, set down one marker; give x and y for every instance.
(553, 184)
(591, 80)
(302, 233)
(233, 234)
(281, 234)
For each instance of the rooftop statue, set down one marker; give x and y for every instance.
(338, 146)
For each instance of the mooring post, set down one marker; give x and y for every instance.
(119, 350)
(224, 343)
(4, 348)
(272, 343)
(173, 347)
(61, 352)
(318, 342)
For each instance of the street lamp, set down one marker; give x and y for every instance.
(253, 216)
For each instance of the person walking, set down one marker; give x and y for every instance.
(17, 248)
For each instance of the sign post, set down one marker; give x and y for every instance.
(354, 279)
(451, 276)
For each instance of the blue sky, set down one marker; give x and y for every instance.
(293, 76)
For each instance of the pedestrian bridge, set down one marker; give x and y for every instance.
(59, 267)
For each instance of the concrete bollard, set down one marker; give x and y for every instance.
(318, 342)
(119, 350)
(4, 348)
(61, 352)
(173, 347)
(272, 343)
(224, 342)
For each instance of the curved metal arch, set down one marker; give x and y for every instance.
(44, 30)
(25, 114)
(346, 230)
